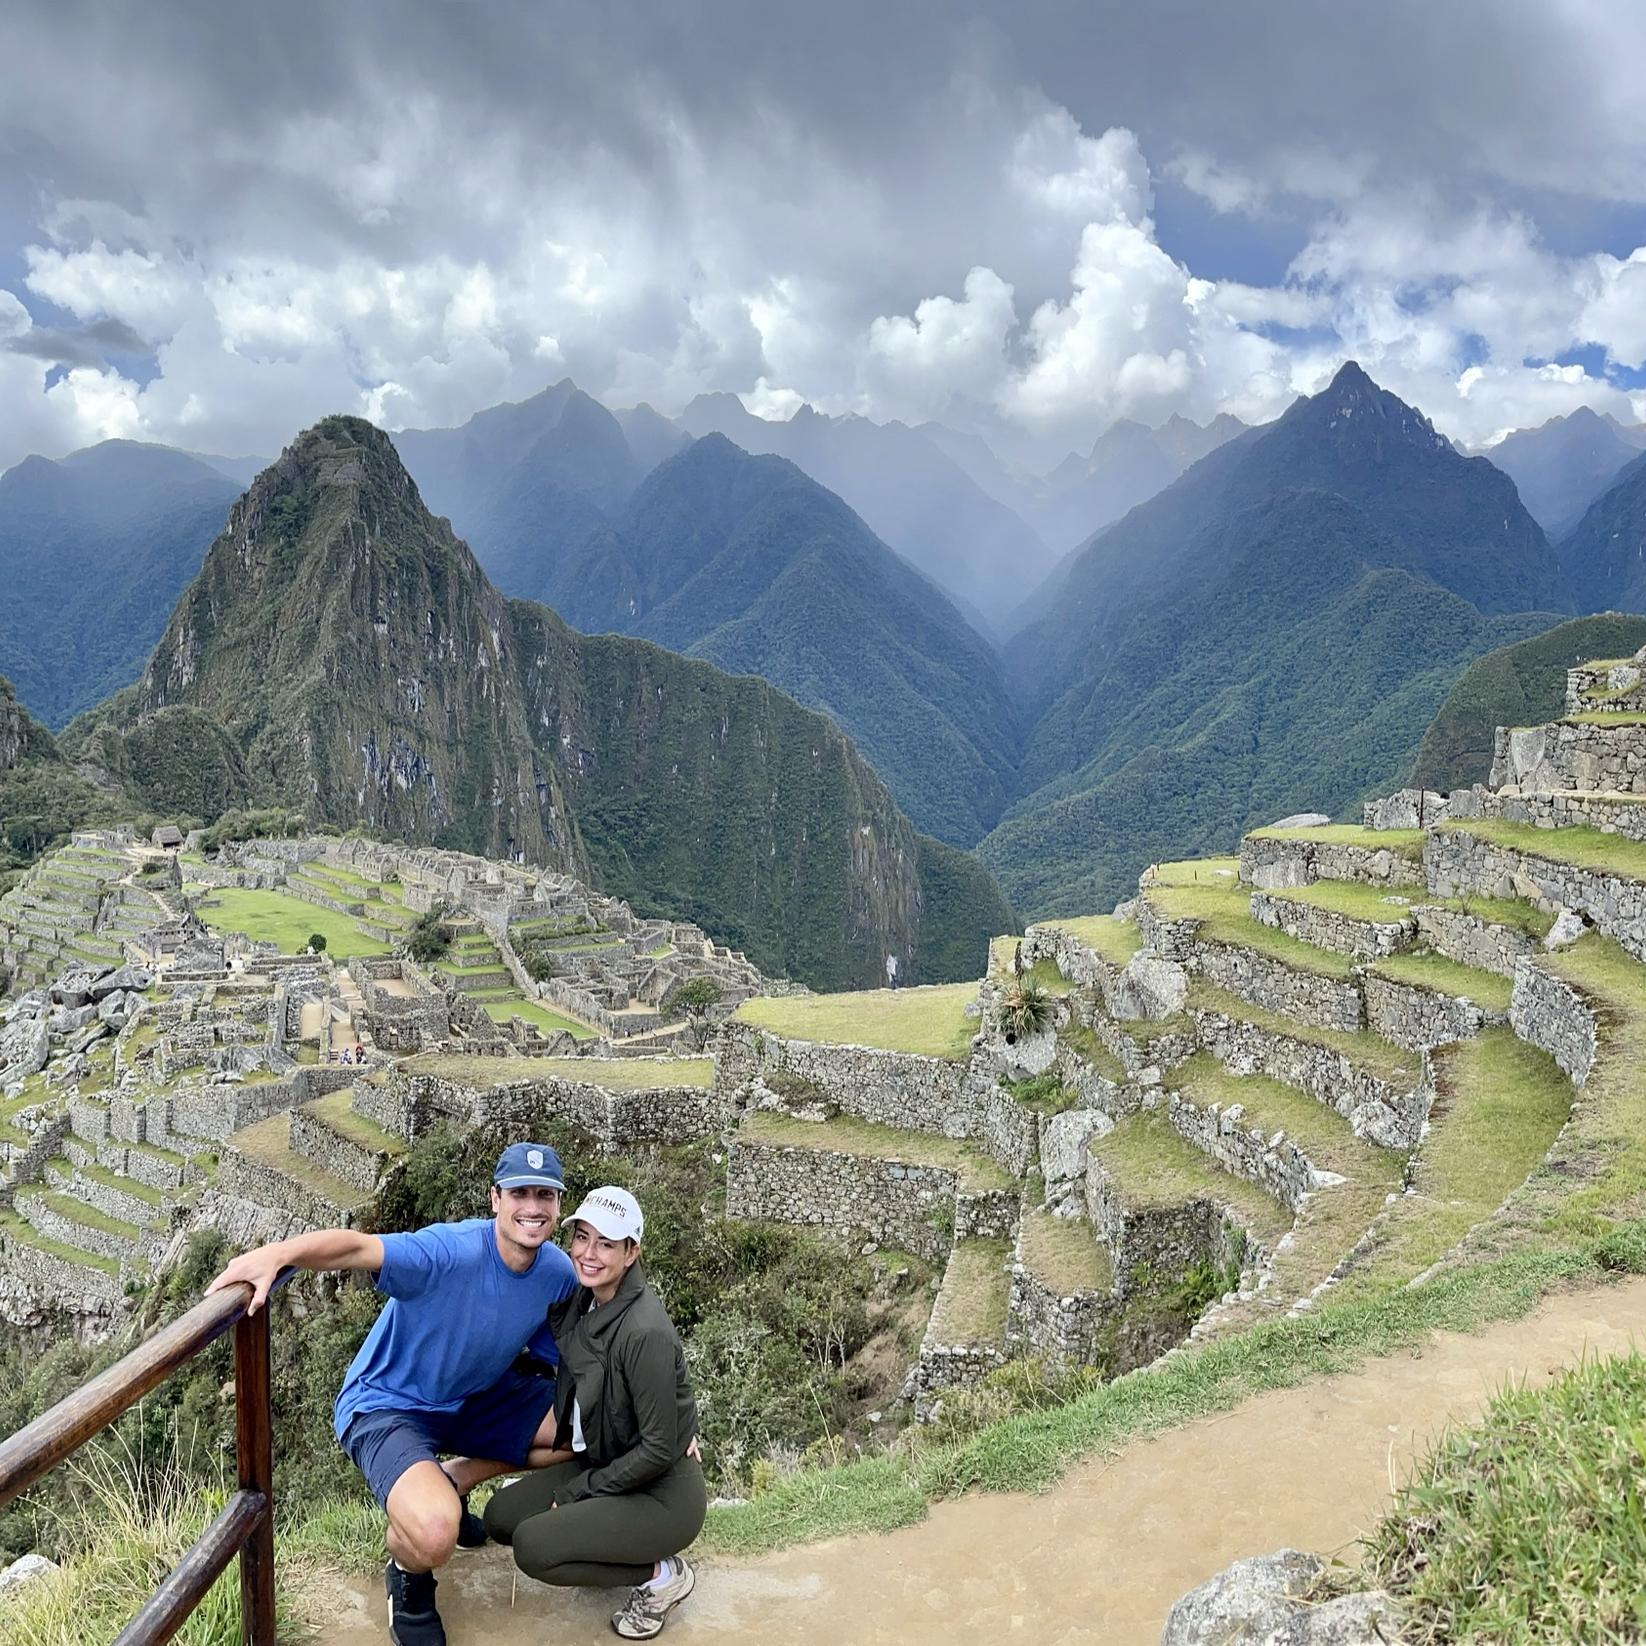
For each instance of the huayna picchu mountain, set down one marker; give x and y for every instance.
(366, 671)
(1269, 635)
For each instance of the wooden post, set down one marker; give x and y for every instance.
(254, 1452)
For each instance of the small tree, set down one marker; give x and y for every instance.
(696, 1000)
(317, 942)
(430, 937)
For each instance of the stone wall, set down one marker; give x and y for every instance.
(1005, 1128)
(1310, 997)
(1276, 861)
(1275, 1164)
(1460, 864)
(1621, 814)
(34, 1285)
(897, 1204)
(1371, 1105)
(1167, 938)
(1615, 677)
(1420, 1019)
(1063, 1328)
(1154, 1246)
(1327, 929)
(1406, 809)
(912, 1093)
(1541, 759)
(1550, 1013)
(336, 1153)
(1077, 963)
(1471, 941)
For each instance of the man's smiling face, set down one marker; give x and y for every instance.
(526, 1217)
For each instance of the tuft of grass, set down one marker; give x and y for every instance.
(1530, 1525)
(930, 1021)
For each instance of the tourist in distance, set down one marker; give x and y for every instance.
(630, 1496)
(460, 1361)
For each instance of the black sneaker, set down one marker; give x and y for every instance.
(413, 1620)
(471, 1529)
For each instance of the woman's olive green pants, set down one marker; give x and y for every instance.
(598, 1542)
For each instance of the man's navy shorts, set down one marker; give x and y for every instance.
(498, 1423)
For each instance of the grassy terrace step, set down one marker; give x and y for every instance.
(928, 1021)
(1424, 970)
(1086, 1046)
(1369, 1052)
(113, 1180)
(1063, 1254)
(613, 1074)
(1044, 973)
(72, 1210)
(1108, 938)
(1605, 717)
(845, 1134)
(1222, 905)
(1407, 843)
(543, 1017)
(1151, 1167)
(268, 1143)
(1354, 899)
(1500, 1104)
(1585, 848)
(973, 1300)
(27, 1235)
(336, 1110)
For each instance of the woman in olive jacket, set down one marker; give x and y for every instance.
(630, 1498)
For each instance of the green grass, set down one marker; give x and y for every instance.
(273, 917)
(112, 1180)
(21, 1230)
(1527, 1526)
(1613, 854)
(500, 1011)
(1043, 974)
(1425, 970)
(1407, 843)
(930, 1022)
(1501, 1103)
(1085, 1045)
(72, 1210)
(1108, 938)
(1223, 909)
(1367, 1051)
(846, 1134)
(1152, 1168)
(269, 1144)
(1513, 912)
(972, 1301)
(612, 1074)
(337, 1110)
(1605, 717)
(1063, 1254)
(1029, 1452)
(1355, 900)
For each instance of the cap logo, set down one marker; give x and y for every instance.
(534, 1158)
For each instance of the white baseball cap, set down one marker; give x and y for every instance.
(611, 1212)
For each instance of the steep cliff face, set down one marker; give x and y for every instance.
(361, 658)
(365, 670)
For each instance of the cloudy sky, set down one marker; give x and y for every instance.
(217, 224)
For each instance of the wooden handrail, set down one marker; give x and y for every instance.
(246, 1524)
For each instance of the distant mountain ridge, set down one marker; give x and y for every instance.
(1270, 634)
(94, 550)
(357, 662)
(1562, 466)
(1603, 557)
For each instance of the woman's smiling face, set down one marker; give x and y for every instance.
(600, 1263)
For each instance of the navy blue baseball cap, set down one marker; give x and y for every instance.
(529, 1165)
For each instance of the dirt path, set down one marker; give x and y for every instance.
(1102, 1557)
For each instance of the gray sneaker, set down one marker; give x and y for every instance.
(646, 1610)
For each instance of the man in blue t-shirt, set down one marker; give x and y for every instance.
(460, 1361)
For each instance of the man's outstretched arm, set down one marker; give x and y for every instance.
(321, 1249)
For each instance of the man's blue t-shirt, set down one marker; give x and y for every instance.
(456, 1318)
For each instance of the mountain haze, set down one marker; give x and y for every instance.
(1269, 634)
(1603, 557)
(363, 668)
(1561, 467)
(94, 550)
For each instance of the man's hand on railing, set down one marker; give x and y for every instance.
(257, 1268)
